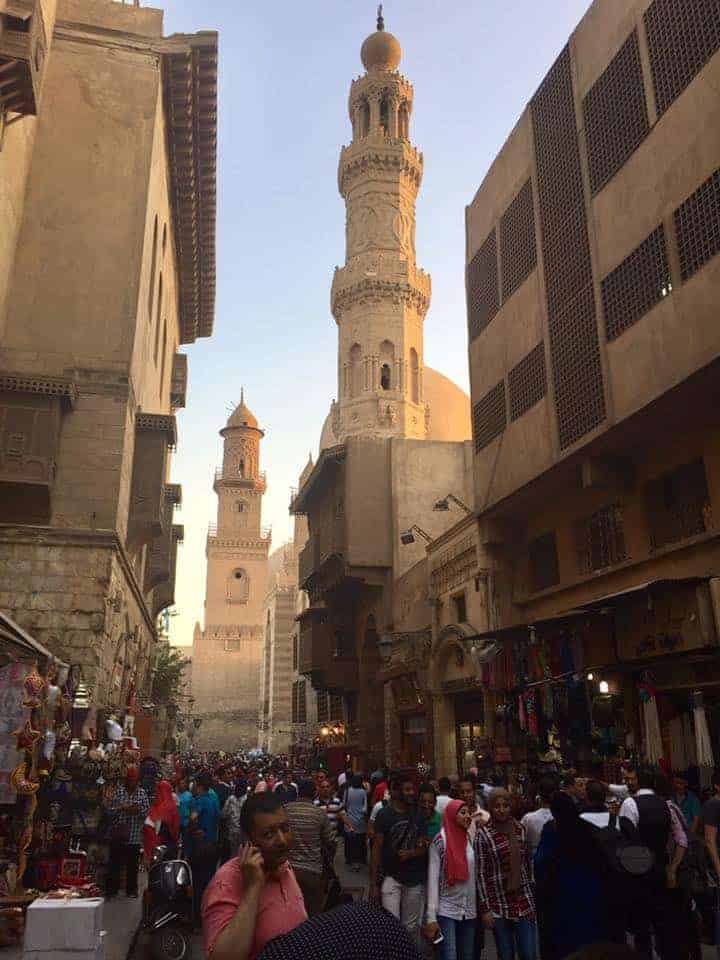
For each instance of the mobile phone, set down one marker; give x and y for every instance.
(438, 939)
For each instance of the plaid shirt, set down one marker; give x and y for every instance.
(133, 820)
(492, 853)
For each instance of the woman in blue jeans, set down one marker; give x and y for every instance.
(506, 900)
(451, 885)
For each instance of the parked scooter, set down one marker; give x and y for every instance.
(169, 906)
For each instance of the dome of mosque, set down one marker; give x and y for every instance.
(381, 51)
(242, 416)
(449, 411)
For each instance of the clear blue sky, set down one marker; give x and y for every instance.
(285, 69)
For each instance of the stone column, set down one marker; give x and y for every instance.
(374, 381)
(393, 119)
(366, 369)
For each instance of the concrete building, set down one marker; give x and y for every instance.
(107, 258)
(396, 439)
(227, 652)
(592, 289)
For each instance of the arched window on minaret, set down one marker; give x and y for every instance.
(241, 467)
(404, 121)
(414, 376)
(385, 116)
(364, 118)
(356, 370)
(387, 361)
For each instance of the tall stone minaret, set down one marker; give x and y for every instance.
(227, 653)
(380, 297)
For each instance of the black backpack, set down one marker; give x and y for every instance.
(622, 852)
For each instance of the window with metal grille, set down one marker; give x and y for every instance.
(527, 382)
(323, 706)
(302, 702)
(489, 416)
(678, 505)
(636, 285)
(482, 287)
(601, 540)
(574, 346)
(336, 707)
(697, 227)
(682, 35)
(543, 562)
(518, 252)
(615, 114)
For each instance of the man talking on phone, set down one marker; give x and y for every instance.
(254, 897)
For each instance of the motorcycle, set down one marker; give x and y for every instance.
(168, 913)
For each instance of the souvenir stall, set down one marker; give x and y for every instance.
(36, 697)
(552, 706)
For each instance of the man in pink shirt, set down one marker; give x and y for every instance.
(254, 897)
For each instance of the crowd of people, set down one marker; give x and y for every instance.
(591, 866)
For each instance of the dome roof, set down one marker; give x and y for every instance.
(242, 416)
(449, 411)
(381, 52)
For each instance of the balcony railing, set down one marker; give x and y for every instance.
(265, 532)
(236, 479)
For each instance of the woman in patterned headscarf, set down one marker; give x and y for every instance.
(358, 930)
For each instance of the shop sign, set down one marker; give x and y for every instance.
(460, 684)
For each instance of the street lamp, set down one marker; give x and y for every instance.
(444, 504)
(408, 536)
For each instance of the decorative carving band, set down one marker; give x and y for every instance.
(60, 387)
(371, 291)
(157, 423)
(379, 156)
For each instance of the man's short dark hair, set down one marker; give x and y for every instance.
(204, 780)
(596, 793)
(266, 802)
(306, 790)
(646, 778)
(426, 788)
(547, 788)
(444, 784)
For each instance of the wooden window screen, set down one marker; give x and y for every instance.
(615, 114)
(489, 416)
(527, 382)
(482, 287)
(682, 35)
(518, 250)
(636, 285)
(697, 227)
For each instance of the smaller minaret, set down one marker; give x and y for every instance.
(240, 485)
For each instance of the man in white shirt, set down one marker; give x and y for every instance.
(535, 821)
(443, 798)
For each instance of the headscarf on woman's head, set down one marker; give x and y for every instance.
(511, 874)
(456, 839)
(164, 809)
(358, 930)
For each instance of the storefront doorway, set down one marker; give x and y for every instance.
(470, 734)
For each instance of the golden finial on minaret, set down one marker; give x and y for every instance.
(380, 20)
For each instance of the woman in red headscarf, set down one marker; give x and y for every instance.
(162, 824)
(451, 896)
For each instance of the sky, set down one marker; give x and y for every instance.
(285, 70)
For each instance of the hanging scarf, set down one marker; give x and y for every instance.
(508, 829)
(456, 839)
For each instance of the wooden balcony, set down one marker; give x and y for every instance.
(22, 54)
(315, 648)
(329, 541)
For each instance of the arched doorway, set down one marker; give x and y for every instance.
(371, 698)
(459, 710)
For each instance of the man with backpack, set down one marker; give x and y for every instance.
(656, 825)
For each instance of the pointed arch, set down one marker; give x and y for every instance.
(414, 376)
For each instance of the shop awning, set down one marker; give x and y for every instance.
(23, 643)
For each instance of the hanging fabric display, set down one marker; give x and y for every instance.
(651, 720)
(705, 758)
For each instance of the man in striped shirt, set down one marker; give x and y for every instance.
(330, 803)
(313, 847)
